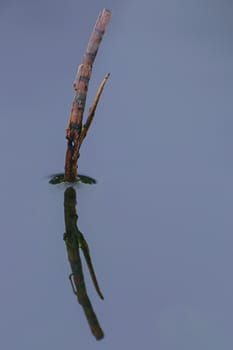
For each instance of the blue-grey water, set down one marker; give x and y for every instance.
(159, 221)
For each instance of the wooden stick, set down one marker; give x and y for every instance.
(81, 84)
(90, 117)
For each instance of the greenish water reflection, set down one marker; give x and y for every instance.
(74, 240)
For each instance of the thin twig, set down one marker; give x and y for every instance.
(90, 116)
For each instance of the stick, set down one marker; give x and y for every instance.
(90, 117)
(81, 84)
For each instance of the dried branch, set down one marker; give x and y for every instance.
(81, 82)
(90, 117)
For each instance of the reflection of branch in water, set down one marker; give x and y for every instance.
(74, 240)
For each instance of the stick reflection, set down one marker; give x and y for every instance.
(75, 241)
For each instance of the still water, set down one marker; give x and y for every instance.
(158, 222)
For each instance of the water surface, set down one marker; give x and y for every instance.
(159, 220)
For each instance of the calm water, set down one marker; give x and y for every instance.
(159, 220)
